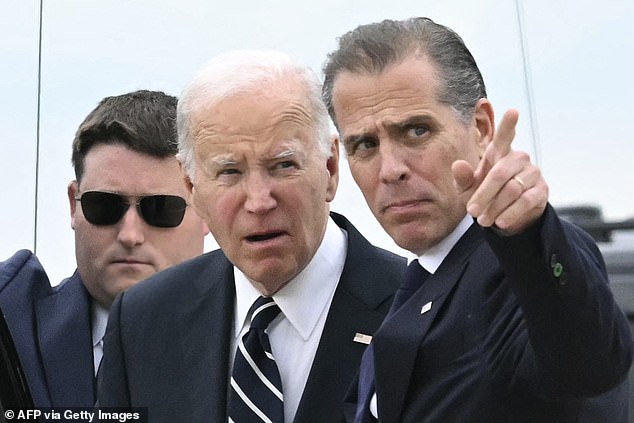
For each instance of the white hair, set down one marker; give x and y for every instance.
(236, 72)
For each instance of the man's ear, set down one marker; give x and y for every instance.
(332, 165)
(188, 183)
(484, 123)
(73, 189)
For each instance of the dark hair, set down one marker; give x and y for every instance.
(144, 121)
(371, 48)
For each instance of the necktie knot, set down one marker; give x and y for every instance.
(263, 311)
(414, 276)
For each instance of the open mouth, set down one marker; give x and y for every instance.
(263, 237)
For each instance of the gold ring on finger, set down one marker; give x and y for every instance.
(519, 181)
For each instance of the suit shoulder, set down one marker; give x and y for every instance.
(199, 274)
(23, 274)
(370, 273)
(362, 253)
(389, 256)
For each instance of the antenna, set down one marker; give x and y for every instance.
(528, 84)
(37, 132)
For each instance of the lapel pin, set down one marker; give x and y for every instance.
(362, 338)
(425, 308)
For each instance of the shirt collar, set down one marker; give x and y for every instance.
(99, 315)
(433, 257)
(306, 296)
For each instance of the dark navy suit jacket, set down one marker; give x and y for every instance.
(519, 329)
(168, 338)
(51, 331)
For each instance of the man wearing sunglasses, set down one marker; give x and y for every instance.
(130, 210)
(255, 140)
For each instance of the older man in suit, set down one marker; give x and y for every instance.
(255, 141)
(130, 213)
(508, 318)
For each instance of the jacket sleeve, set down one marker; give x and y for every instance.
(579, 341)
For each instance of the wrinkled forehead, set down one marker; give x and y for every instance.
(401, 88)
(270, 112)
(268, 135)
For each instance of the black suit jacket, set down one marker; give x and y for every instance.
(519, 329)
(52, 332)
(167, 345)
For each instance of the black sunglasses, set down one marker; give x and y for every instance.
(106, 208)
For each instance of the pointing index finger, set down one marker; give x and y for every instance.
(498, 149)
(505, 133)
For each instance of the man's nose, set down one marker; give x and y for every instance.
(131, 227)
(393, 159)
(259, 194)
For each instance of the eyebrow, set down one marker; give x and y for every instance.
(228, 160)
(284, 154)
(225, 160)
(411, 120)
(391, 126)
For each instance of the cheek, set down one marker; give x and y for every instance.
(363, 175)
(437, 161)
(464, 146)
(91, 242)
(217, 209)
(201, 200)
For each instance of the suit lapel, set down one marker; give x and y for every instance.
(330, 378)
(397, 342)
(356, 307)
(64, 334)
(206, 330)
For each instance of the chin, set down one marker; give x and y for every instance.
(126, 283)
(272, 280)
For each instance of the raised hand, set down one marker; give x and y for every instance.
(506, 189)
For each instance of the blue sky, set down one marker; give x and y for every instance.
(581, 55)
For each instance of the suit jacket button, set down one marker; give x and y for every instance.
(558, 270)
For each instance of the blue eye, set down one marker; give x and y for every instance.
(229, 172)
(367, 145)
(285, 165)
(417, 131)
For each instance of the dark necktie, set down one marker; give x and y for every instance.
(95, 381)
(414, 278)
(256, 387)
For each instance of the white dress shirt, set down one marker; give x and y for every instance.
(99, 320)
(304, 302)
(431, 261)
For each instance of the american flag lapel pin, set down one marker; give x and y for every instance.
(362, 338)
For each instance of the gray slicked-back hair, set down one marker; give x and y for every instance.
(237, 72)
(372, 47)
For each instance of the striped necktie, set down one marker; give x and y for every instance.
(256, 387)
